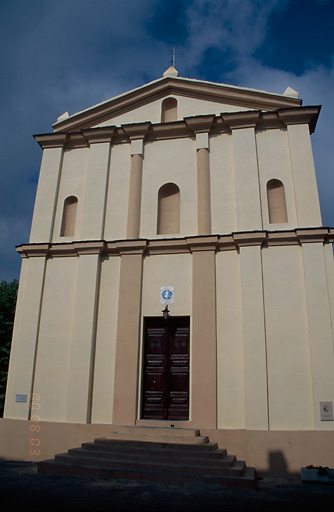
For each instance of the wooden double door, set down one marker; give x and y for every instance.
(166, 369)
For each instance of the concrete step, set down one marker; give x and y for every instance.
(150, 454)
(144, 442)
(246, 481)
(155, 431)
(158, 438)
(159, 453)
(165, 458)
(236, 469)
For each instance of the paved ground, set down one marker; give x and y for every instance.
(21, 486)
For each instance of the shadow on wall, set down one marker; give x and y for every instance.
(277, 464)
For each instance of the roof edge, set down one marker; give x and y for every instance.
(182, 86)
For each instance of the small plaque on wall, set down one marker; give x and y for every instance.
(21, 398)
(326, 411)
(167, 294)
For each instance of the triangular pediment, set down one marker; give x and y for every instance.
(196, 97)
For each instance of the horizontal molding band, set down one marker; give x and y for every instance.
(228, 242)
(223, 123)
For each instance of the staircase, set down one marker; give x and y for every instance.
(168, 455)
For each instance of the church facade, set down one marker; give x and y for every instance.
(177, 271)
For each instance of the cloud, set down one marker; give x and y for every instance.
(237, 27)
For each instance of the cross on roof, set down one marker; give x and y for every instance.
(172, 59)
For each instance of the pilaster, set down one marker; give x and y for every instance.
(96, 190)
(128, 335)
(136, 133)
(203, 329)
(47, 193)
(247, 188)
(82, 350)
(201, 126)
(303, 174)
(254, 337)
(25, 337)
(319, 326)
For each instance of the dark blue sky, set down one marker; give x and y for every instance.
(71, 54)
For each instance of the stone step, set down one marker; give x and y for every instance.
(164, 452)
(153, 455)
(155, 431)
(246, 481)
(158, 438)
(237, 469)
(202, 443)
(165, 458)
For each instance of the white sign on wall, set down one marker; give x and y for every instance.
(20, 398)
(167, 294)
(326, 411)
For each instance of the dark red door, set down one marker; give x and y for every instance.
(166, 369)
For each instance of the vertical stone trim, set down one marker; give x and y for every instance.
(128, 333)
(319, 325)
(46, 195)
(246, 173)
(25, 335)
(134, 207)
(254, 335)
(201, 127)
(82, 350)
(203, 393)
(136, 134)
(94, 200)
(304, 178)
(203, 192)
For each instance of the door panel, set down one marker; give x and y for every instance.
(166, 369)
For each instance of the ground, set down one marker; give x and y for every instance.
(22, 486)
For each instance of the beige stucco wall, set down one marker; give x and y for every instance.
(167, 270)
(288, 350)
(164, 162)
(54, 340)
(185, 107)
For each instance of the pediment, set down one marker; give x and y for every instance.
(198, 98)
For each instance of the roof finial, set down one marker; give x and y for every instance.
(172, 57)
(171, 71)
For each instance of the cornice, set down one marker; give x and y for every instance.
(228, 242)
(202, 243)
(127, 247)
(200, 124)
(244, 119)
(302, 115)
(51, 140)
(136, 130)
(184, 128)
(249, 238)
(306, 235)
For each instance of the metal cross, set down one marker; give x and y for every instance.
(172, 59)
